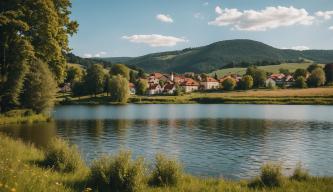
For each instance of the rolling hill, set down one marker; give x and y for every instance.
(223, 54)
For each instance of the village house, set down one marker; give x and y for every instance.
(237, 78)
(190, 85)
(169, 88)
(281, 80)
(155, 89)
(208, 83)
(131, 87)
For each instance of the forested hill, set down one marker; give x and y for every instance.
(223, 54)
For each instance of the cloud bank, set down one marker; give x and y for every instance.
(268, 18)
(155, 40)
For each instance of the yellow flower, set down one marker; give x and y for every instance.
(13, 190)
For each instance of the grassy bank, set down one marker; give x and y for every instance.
(22, 117)
(311, 96)
(59, 168)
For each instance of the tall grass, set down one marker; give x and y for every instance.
(22, 116)
(63, 157)
(118, 173)
(166, 172)
(271, 175)
(300, 174)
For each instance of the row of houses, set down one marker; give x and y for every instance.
(171, 81)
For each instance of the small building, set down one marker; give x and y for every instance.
(208, 83)
(169, 88)
(155, 89)
(190, 85)
(132, 89)
(65, 87)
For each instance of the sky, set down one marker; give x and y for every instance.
(117, 28)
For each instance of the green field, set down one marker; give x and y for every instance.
(269, 68)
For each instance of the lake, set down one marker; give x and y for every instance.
(230, 141)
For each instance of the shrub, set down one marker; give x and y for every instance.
(229, 84)
(317, 78)
(117, 173)
(167, 172)
(63, 157)
(271, 175)
(300, 82)
(300, 174)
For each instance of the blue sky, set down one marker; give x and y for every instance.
(112, 28)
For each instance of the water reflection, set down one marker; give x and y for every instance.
(228, 147)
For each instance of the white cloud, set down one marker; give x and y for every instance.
(155, 40)
(164, 18)
(100, 54)
(268, 18)
(300, 48)
(331, 28)
(87, 55)
(325, 14)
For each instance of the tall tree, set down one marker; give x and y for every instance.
(95, 79)
(31, 30)
(119, 89)
(329, 72)
(40, 88)
(317, 78)
(133, 76)
(120, 69)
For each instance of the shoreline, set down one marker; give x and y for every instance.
(25, 159)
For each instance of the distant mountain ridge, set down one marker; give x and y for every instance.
(223, 54)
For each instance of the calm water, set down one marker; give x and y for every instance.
(210, 140)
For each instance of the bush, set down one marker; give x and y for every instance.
(229, 84)
(317, 78)
(271, 175)
(300, 174)
(117, 173)
(63, 157)
(300, 82)
(166, 172)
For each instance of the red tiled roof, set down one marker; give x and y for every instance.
(209, 79)
(189, 82)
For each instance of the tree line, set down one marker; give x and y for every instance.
(33, 42)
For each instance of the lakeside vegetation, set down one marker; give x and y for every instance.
(313, 96)
(22, 117)
(59, 167)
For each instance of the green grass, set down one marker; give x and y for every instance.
(21, 170)
(269, 68)
(22, 116)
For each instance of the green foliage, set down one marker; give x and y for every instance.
(166, 172)
(118, 173)
(94, 80)
(313, 67)
(178, 91)
(120, 69)
(141, 87)
(317, 78)
(119, 89)
(246, 83)
(74, 74)
(259, 76)
(229, 84)
(40, 88)
(300, 73)
(271, 175)
(300, 82)
(329, 72)
(133, 76)
(79, 89)
(300, 174)
(284, 71)
(62, 157)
